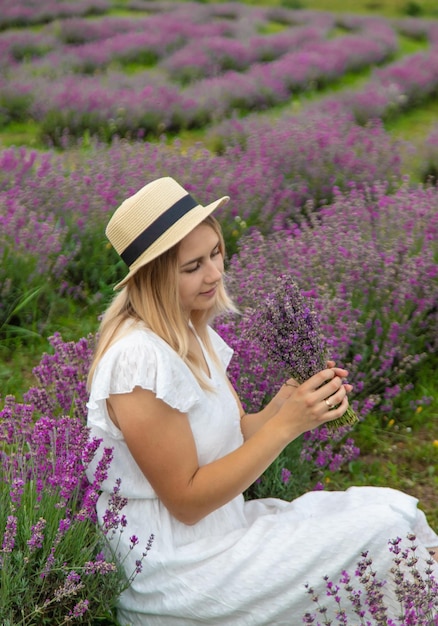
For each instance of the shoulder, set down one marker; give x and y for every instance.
(137, 338)
(138, 350)
(140, 358)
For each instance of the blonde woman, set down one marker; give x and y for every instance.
(185, 450)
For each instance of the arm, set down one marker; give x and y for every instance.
(161, 442)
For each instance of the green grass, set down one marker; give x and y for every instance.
(386, 8)
(414, 126)
(21, 134)
(404, 459)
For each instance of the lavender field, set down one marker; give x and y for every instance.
(285, 110)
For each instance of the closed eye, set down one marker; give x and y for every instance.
(193, 269)
(195, 264)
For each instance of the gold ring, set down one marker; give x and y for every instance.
(329, 404)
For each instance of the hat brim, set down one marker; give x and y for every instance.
(172, 236)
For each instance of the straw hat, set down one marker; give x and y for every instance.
(153, 220)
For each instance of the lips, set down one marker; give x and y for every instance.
(209, 293)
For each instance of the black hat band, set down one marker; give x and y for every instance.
(167, 219)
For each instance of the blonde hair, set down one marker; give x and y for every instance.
(152, 296)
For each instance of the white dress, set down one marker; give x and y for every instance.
(247, 562)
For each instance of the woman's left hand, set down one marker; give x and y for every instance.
(347, 386)
(287, 388)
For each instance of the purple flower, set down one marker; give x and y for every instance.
(9, 534)
(17, 490)
(79, 609)
(72, 584)
(37, 537)
(289, 330)
(285, 475)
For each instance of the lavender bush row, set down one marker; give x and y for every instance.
(69, 196)
(310, 156)
(390, 90)
(27, 13)
(417, 28)
(209, 57)
(51, 551)
(107, 110)
(266, 84)
(69, 36)
(159, 35)
(76, 30)
(399, 86)
(369, 261)
(44, 91)
(177, 25)
(18, 46)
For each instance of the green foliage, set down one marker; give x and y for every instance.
(7, 328)
(413, 8)
(30, 598)
(288, 477)
(14, 106)
(25, 290)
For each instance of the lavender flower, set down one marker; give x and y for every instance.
(80, 609)
(285, 475)
(37, 538)
(289, 329)
(9, 534)
(49, 538)
(416, 590)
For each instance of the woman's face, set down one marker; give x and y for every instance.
(201, 266)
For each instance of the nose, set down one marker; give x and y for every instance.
(214, 273)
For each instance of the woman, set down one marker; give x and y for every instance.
(185, 450)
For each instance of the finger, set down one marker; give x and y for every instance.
(319, 379)
(340, 371)
(339, 411)
(330, 388)
(338, 402)
(333, 393)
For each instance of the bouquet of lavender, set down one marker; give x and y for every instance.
(288, 329)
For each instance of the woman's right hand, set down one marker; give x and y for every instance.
(318, 400)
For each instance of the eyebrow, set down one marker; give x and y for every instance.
(198, 259)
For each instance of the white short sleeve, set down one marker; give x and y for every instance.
(141, 359)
